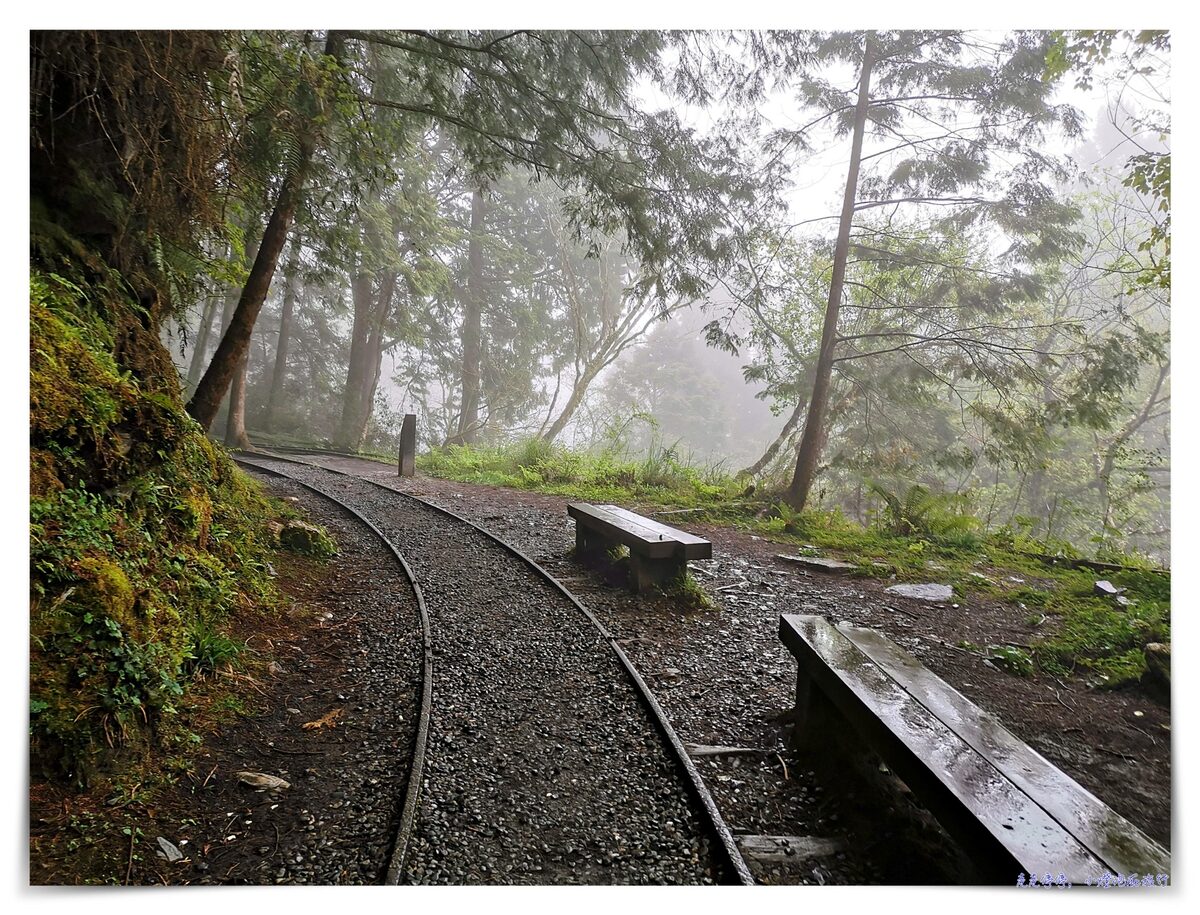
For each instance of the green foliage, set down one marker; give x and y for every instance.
(662, 475)
(143, 536)
(920, 512)
(1015, 660)
(210, 649)
(1083, 53)
(1102, 642)
(688, 593)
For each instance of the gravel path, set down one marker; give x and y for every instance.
(724, 678)
(337, 822)
(721, 675)
(543, 765)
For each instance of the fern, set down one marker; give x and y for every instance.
(918, 512)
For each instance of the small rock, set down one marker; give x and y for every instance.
(1107, 589)
(818, 562)
(305, 538)
(168, 851)
(261, 781)
(928, 592)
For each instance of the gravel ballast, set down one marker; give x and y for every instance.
(336, 822)
(543, 766)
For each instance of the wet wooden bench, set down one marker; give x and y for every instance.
(1011, 810)
(658, 554)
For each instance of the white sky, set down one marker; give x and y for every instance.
(817, 176)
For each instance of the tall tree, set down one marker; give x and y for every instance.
(953, 121)
(472, 326)
(283, 341)
(200, 343)
(813, 438)
(235, 343)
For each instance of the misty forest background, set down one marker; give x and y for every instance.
(910, 285)
(1003, 331)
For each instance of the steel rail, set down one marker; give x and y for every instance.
(412, 790)
(734, 864)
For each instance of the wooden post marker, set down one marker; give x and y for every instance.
(408, 446)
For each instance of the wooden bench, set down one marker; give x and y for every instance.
(1010, 809)
(658, 554)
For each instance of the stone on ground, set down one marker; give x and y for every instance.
(929, 592)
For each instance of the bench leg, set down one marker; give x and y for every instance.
(589, 544)
(645, 574)
(814, 716)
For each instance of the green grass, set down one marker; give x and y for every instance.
(917, 537)
(663, 477)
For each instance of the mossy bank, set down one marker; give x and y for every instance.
(144, 537)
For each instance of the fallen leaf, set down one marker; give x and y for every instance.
(328, 720)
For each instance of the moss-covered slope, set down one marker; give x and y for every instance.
(144, 537)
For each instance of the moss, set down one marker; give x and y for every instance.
(71, 384)
(104, 588)
(144, 538)
(43, 475)
(307, 540)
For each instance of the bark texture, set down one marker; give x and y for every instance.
(472, 329)
(279, 371)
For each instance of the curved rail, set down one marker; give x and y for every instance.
(412, 790)
(731, 856)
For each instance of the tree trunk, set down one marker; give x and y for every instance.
(577, 392)
(234, 344)
(773, 449)
(363, 295)
(811, 442)
(200, 347)
(472, 329)
(235, 423)
(285, 329)
(371, 310)
(375, 347)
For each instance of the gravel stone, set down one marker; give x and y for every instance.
(535, 726)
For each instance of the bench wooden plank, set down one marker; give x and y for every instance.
(1107, 834)
(1002, 827)
(670, 533)
(637, 538)
(649, 538)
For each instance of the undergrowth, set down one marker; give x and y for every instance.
(144, 537)
(663, 475)
(917, 535)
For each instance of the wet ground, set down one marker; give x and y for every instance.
(724, 677)
(721, 675)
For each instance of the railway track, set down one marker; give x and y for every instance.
(544, 756)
